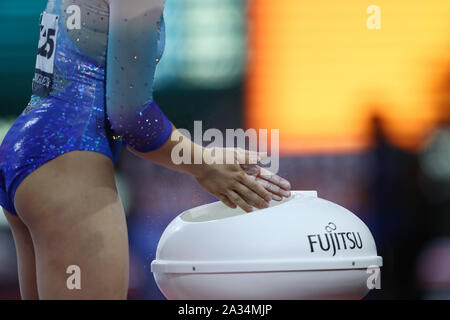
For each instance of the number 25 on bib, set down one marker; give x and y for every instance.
(45, 61)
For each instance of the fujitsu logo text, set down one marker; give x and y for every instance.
(334, 241)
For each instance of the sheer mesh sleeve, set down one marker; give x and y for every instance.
(135, 46)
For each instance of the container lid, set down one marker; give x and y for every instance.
(300, 233)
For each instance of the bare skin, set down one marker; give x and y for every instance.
(70, 214)
(74, 216)
(25, 257)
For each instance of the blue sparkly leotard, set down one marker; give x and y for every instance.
(92, 88)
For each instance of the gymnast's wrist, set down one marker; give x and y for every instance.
(196, 168)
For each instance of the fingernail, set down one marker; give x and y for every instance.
(266, 204)
(268, 198)
(276, 198)
(285, 193)
(285, 184)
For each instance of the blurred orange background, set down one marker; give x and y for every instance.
(318, 73)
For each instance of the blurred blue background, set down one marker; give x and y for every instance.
(403, 195)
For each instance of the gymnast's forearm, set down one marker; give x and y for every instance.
(164, 155)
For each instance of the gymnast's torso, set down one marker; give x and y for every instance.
(92, 87)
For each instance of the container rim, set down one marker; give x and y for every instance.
(272, 265)
(203, 213)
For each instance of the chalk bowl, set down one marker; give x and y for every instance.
(303, 247)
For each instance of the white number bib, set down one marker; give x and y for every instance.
(45, 61)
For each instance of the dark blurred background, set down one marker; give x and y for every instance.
(364, 118)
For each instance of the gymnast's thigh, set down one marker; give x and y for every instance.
(75, 217)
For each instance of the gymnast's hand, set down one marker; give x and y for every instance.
(241, 182)
(273, 183)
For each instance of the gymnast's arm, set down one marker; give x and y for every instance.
(131, 63)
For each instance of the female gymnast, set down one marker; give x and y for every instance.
(92, 93)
